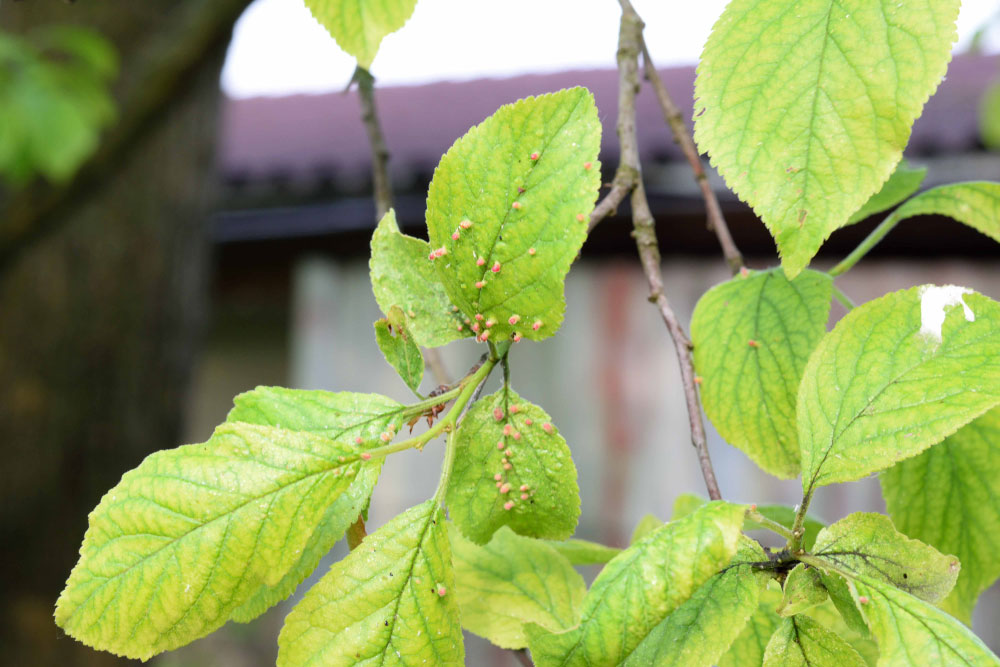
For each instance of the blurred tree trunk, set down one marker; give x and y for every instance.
(101, 303)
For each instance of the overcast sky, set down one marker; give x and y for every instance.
(279, 49)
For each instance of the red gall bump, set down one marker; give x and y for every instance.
(508, 453)
(358, 440)
(753, 507)
(524, 487)
(475, 327)
(537, 325)
(743, 272)
(509, 505)
(579, 217)
(496, 267)
(534, 156)
(517, 337)
(432, 256)
(516, 205)
(490, 323)
(507, 466)
(863, 599)
(366, 456)
(532, 251)
(497, 477)
(479, 316)
(514, 409)
(753, 343)
(504, 460)
(587, 165)
(528, 422)
(697, 379)
(499, 484)
(517, 435)
(442, 591)
(460, 327)
(480, 284)
(500, 444)
(385, 437)
(454, 236)
(513, 319)
(505, 488)
(497, 414)
(506, 429)
(454, 309)
(480, 261)
(524, 496)
(483, 336)
(465, 224)
(547, 427)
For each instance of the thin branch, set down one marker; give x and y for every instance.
(629, 47)
(682, 137)
(380, 153)
(866, 245)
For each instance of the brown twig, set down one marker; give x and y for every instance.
(629, 47)
(682, 137)
(380, 153)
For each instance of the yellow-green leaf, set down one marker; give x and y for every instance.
(517, 191)
(195, 533)
(805, 106)
(391, 601)
(949, 497)
(752, 337)
(511, 581)
(358, 26)
(976, 204)
(904, 181)
(803, 590)
(895, 376)
(802, 642)
(399, 349)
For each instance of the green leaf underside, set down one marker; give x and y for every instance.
(752, 337)
(843, 601)
(402, 276)
(949, 497)
(511, 581)
(342, 415)
(801, 641)
(358, 26)
(786, 517)
(867, 544)
(195, 533)
(536, 472)
(748, 647)
(478, 181)
(884, 385)
(903, 183)
(805, 106)
(647, 524)
(583, 552)
(803, 590)
(989, 117)
(641, 586)
(400, 351)
(910, 631)
(976, 204)
(700, 630)
(382, 603)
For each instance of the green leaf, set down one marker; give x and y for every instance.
(949, 497)
(399, 349)
(842, 599)
(989, 117)
(786, 517)
(511, 581)
(805, 106)
(343, 415)
(646, 525)
(799, 640)
(518, 192)
(895, 376)
(748, 648)
(684, 504)
(194, 533)
(512, 468)
(583, 552)
(867, 544)
(752, 337)
(641, 586)
(699, 631)
(911, 631)
(903, 183)
(358, 26)
(976, 204)
(390, 601)
(402, 276)
(803, 590)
